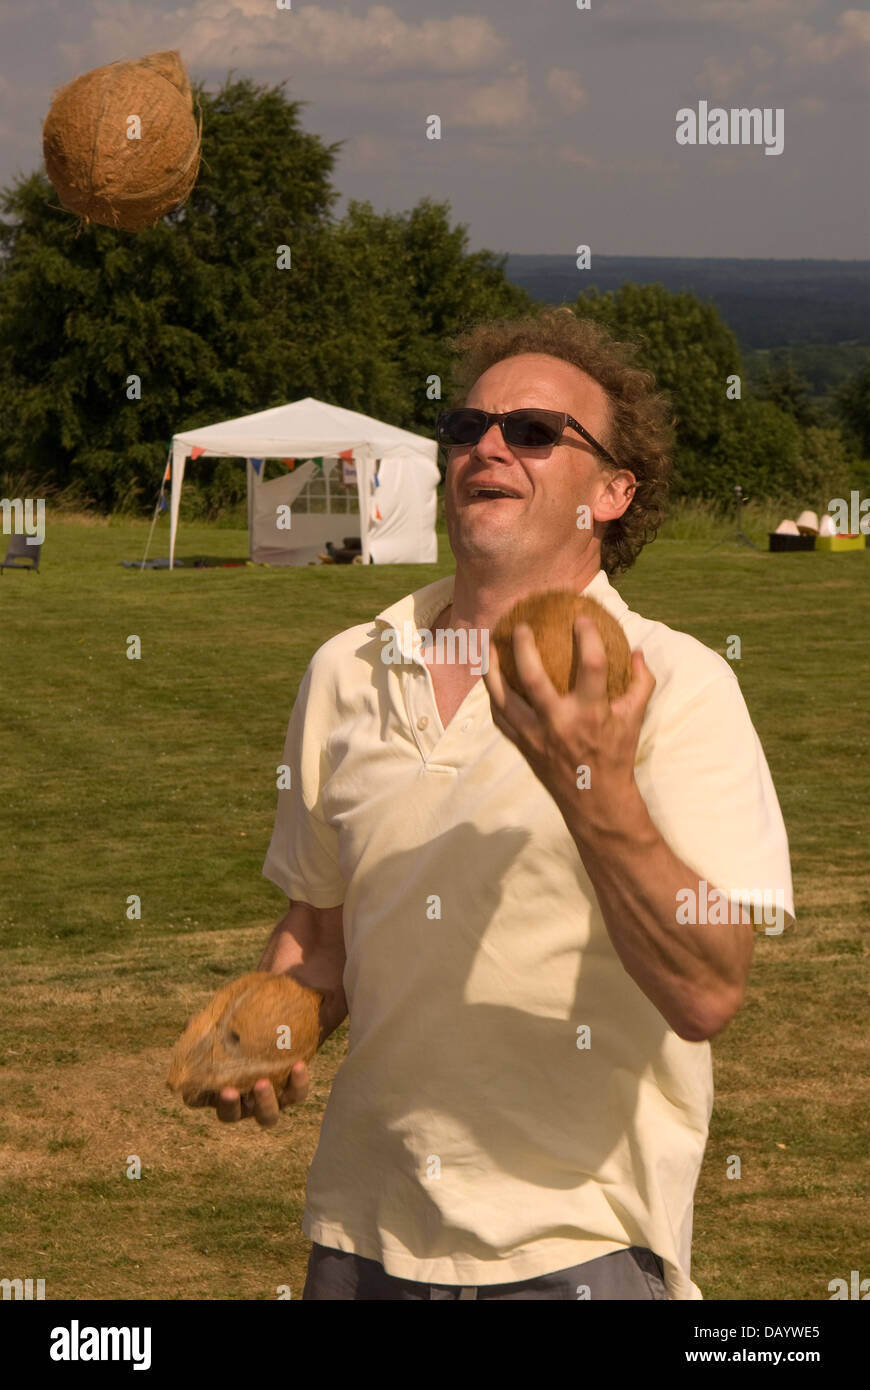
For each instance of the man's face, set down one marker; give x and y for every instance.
(549, 483)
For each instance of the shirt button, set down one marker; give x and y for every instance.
(422, 722)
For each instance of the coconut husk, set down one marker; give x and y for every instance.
(101, 174)
(236, 1039)
(170, 66)
(551, 616)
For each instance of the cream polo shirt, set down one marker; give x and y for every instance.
(476, 1133)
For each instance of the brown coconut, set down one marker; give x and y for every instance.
(101, 174)
(241, 1036)
(551, 616)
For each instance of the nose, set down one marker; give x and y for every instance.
(492, 441)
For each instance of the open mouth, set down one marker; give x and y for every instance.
(481, 494)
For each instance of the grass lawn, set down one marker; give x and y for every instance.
(145, 776)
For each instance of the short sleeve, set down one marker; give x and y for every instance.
(302, 858)
(709, 791)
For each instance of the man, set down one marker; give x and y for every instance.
(524, 1104)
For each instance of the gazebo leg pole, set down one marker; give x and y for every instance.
(151, 532)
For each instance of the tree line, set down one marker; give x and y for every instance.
(197, 313)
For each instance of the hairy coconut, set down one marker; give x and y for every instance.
(242, 1035)
(551, 616)
(102, 174)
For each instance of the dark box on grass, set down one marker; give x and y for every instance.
(779, 541)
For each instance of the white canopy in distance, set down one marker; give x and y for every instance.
(396, 477)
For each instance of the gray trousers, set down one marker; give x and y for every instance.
(633, 1273)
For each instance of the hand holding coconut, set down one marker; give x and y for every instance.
(247, 1052)
(574, 709)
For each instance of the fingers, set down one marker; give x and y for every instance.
(492, 676)
(229, 1105)
(265, 1104)
(498, 692)
(635, 700)
(591, 679)
(510, 712)
(297, 1086)
(538, 689)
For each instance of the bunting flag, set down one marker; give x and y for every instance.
(164, 505)
(168, 474)
(256, 464)
(348, 468)
(196, 452)
(289, 463)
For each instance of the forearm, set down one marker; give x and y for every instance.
(289, 952)
(694, 974)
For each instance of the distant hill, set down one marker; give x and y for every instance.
(767, 303)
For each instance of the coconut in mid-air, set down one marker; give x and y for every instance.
(121, 144)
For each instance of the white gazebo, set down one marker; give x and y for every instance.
(396, 477)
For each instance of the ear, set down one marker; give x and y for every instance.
(616, 495)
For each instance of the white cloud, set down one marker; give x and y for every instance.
(217, 34)
(707, 12)
(367, 152)
(503, 104)
(799, 57)
(567, 154)
(721, 80)
(567, 92)
(804, 46)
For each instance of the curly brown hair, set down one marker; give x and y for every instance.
(639, 433)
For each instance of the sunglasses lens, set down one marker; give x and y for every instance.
(526, 429)
(532, 429)
(461, 426)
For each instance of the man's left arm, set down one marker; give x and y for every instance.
(694, 973)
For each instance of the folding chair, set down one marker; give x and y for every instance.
(21, 555)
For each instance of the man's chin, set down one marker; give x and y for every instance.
(487, 543)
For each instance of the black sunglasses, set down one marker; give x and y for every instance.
(523, 429)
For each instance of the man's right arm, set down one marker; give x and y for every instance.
(308, 945)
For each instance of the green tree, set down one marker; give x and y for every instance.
(199, 311)
(853, 406)
(694, 355)
(759, 447)
(684, 341)
(416, 285)
(782, 384)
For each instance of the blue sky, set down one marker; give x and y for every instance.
(558, 124)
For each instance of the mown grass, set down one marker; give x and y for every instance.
(157, 778)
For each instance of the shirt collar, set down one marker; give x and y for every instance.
(601, 589)
(418, 610)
